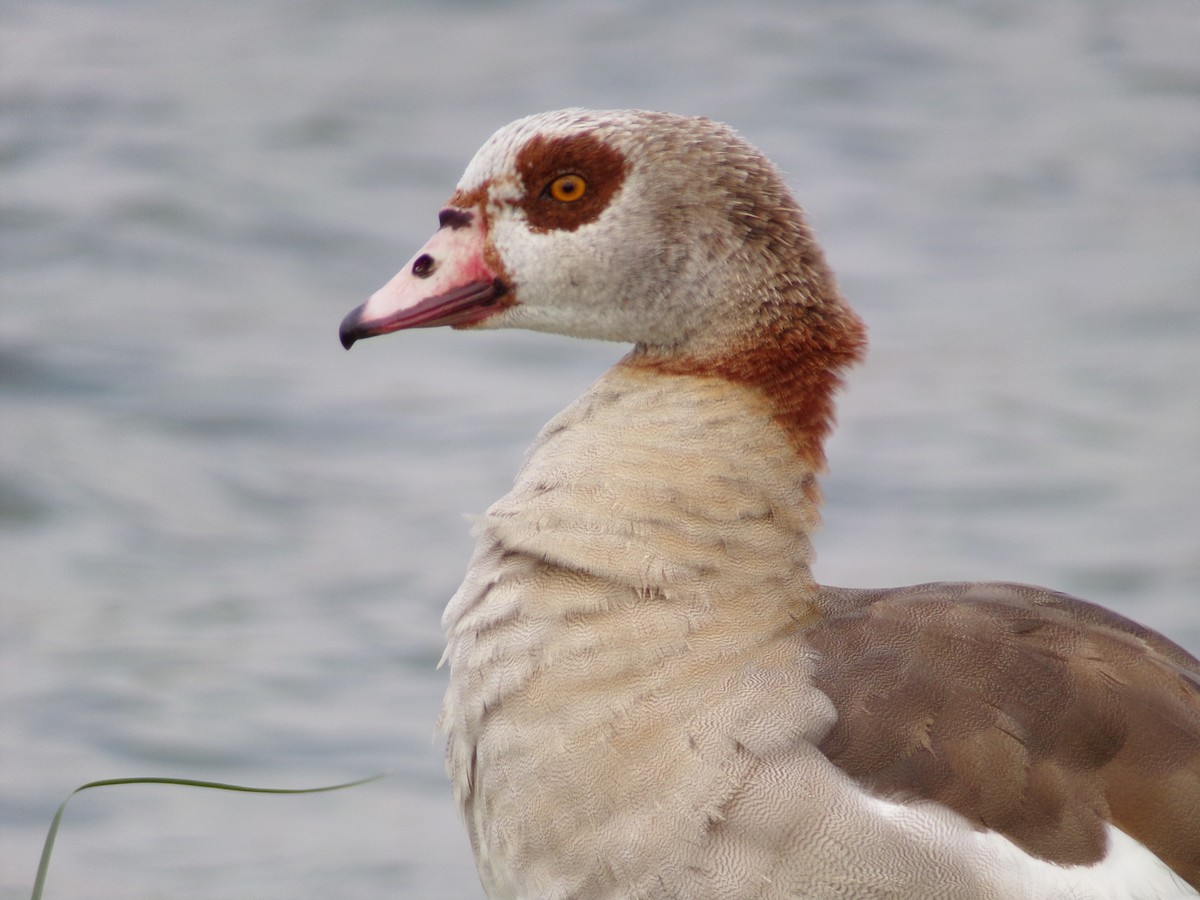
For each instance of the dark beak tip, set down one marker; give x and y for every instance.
(348, 333)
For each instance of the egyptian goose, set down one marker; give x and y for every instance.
(649, 695)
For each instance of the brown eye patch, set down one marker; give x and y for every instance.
(543, 162)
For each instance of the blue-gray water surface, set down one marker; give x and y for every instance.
(225, 543)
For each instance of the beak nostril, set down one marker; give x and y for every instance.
(424, 265)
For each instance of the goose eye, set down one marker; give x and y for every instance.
(567, 188)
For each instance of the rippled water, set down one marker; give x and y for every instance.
(225, 543)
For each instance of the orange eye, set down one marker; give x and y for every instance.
(567, 188)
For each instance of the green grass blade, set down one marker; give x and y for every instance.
(48, 846)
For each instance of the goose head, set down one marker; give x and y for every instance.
(668, 232)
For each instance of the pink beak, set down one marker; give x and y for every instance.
(446, 283)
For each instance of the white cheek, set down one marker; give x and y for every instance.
(573, 282)
(599, 281)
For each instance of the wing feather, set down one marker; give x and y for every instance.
(1030, 712)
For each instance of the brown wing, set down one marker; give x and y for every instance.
(1030, 712)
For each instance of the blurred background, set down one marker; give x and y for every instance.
(225, 544)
